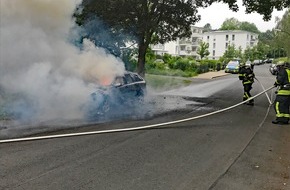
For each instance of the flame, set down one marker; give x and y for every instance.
(106, 80)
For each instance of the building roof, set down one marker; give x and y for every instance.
(228, 31)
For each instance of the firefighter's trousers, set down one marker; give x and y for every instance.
(247, 94)
(281, 106)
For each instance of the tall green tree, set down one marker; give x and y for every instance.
(235, 24)
(203, 50)
(207, 27)
(231, 52)
(283, 32)
(152, 21)
(250, 27)
(230, 24)
(249, 54)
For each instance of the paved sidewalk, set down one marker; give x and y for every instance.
(212, 74)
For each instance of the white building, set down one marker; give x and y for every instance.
(220, 40)
(182, 47)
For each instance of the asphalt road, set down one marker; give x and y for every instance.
(236, 150)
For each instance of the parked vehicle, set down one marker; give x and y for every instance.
(273, 69)
(257, 62)
(232, 67)
(124, 93)
(268, 61)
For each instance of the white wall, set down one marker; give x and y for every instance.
(241, 39)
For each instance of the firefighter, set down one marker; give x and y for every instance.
(282, 101)
(246, 75)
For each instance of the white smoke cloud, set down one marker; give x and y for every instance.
(38, 63)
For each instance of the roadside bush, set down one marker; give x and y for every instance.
(218, 66)
(173, 72)
(202, 68)
(159, 65)
(181, 64)
(285, 59)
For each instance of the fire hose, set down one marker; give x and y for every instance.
(270, 102)
(136, 128)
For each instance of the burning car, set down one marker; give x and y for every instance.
(121, 96)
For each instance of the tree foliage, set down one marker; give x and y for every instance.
(283, 32)
(235, 24)
(230, 24)
(231, 52)
(250, 27)
(207, 27)
(203, 50)
(264, 7)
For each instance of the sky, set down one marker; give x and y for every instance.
(217, 13)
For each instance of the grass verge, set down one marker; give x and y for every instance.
(163, 83)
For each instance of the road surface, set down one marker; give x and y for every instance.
(236, 150)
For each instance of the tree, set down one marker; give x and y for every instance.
(234, 24)
(230, 24)
(250, 27)
(207, 27)
(267, 37)
(283, 32)
(231, 52)
(249, 54)
(203, 50)
(150, 21)
(264, 7)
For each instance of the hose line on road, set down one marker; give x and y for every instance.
(270, 102)
(130, 129)
(247, 144)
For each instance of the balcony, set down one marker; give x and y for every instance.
(184, 42)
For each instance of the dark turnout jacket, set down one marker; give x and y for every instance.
(282, 80)
(246, 75)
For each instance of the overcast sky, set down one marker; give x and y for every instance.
(218, 12)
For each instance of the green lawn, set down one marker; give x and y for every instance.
(162, 83)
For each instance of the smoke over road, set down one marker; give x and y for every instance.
(42, 75)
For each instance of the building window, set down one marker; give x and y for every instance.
(227, 45)
(213, 53)
(227, 37)
(194, 39)
(182, 48)
(207, 37)
(247, 36)
(233, 37)
(213, 45)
